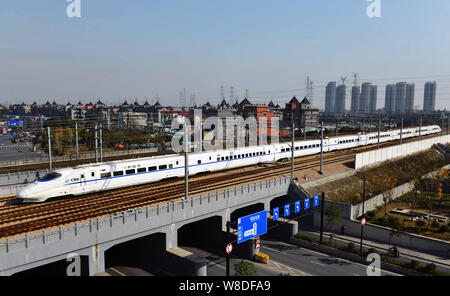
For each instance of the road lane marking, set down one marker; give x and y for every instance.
(113, 269)
(356, 274)
(318, 263)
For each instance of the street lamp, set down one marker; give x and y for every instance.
(364, 199)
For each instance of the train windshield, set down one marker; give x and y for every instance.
(50, 176)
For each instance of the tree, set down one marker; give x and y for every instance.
(387, 195)
(334, 215)
(244, 268)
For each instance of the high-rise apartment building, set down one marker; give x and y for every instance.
(409, 101)
(389, 99)
(373, 99)
(330, 97)
(429, 97)
(356, 90)
(339, 106)
(400, 97)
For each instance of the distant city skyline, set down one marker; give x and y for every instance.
(118, 51)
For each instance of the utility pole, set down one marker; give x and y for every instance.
(49, 149)
(101, 143)
(304, 125)
(76, 139)
(420, 128)
(442, 125)
(96, 144)
(228, 255)
(321, 148)
(379, 131)
(363, 216)
(401, 132)
(336, 130)
(321, 216)
(292, 150)
(186, 161)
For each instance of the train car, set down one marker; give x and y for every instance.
(92, 178)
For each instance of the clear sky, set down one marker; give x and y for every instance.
(136, 49)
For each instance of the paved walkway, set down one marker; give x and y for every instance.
(404, 252)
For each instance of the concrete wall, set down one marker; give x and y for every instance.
(384, 234)
(371, 157)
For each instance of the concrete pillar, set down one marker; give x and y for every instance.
(186, 263)
(285, 229)
(171, 236)
(96, 260)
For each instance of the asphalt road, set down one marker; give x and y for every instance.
(286, 258)
(14, 151)
(311, 262)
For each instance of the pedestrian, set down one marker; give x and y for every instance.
(343, 229)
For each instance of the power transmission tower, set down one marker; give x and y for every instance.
(309, 89)
(231, 93)
(222, 93)
(355, 79)
(192, 102)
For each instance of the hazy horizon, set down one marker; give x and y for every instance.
(119, 51)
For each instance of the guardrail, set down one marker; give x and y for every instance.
(105, 229)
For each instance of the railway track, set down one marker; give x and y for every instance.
(18, 219)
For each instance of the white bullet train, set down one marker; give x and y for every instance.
(97, 177)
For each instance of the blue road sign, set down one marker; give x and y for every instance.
(15, 122)
(276, 213)
(252, 226)
(13, 134)
(316, 200)
(286, 210)
(297, 207)
(306, 203)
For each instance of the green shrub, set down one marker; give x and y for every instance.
(435, 224)
(420, 223)
(244, 268)
(413, 264)
(372, 250)
(443, 228)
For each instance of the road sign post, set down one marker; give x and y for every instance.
(276, 213)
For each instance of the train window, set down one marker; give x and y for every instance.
(218, 158)
(92, 174)
(210, 158)
(118, 173)
(170, 165)
(227, 158)
(282, 149)
(129, 172)
(105, 175)
(163, 167)
(82, 176)
(309, 146)
(152, 168)
(269, 151)
(50, 176)
(199, 161)
(142, 170)
(246, 154)
(223, 158)
(235, 157)
(177, 160)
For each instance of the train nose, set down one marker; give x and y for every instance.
(27, 194)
